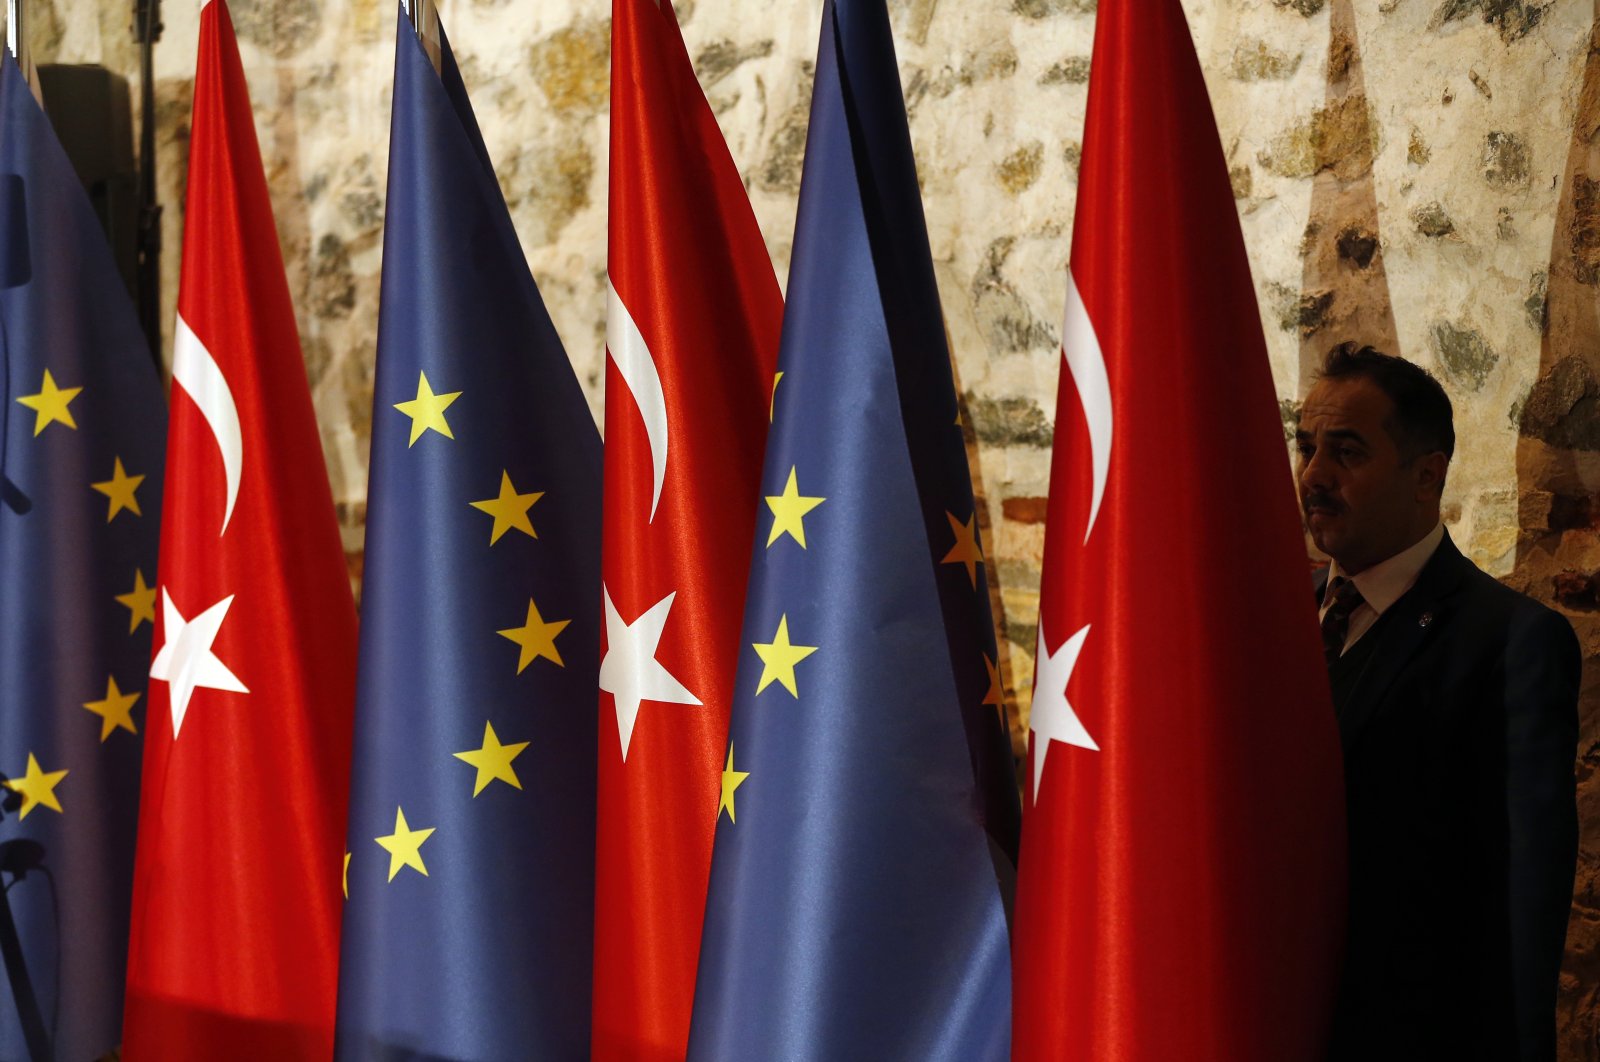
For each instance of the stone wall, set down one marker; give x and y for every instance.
(1419, 174)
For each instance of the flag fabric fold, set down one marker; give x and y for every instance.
(867, 828)
(235, 927)
(692, 324)
(467, 930)
(81, 438)
(1181, 885)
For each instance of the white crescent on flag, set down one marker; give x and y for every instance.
(1080, 348)
(627, 348)
(1053, 717)
(201, 376)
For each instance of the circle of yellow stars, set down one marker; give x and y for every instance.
(493, 760)
(780, 656)
(52, 404)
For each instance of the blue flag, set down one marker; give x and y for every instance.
(865, 845)
(82, 439)
(467, 928)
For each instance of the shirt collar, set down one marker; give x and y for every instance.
(1387, 581)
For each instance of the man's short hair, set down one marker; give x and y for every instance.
(1423, 422)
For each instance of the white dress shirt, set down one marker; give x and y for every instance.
(1382, 584)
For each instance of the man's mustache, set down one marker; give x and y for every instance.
(1319, 500)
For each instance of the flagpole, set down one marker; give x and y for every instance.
(14, 29)
(17, 857)
(146, 31)
(424, 15)
(17, 45)
(11, 957)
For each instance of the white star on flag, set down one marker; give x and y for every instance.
(186, 660)
(630, 671)
(1052, 718)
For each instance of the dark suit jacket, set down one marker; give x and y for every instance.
(1459, 737)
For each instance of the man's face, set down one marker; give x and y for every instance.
(1362, 502)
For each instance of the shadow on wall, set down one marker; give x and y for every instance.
(1558, 546)
(1344, 287)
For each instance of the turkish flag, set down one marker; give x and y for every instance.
(1181, 881)
(236, 906)
(693, 317)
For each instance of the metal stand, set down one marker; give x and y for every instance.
(17, 857)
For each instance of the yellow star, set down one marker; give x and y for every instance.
(536, 637)
(788, 512)
(141, 602)
(493, 760)
(116, 710)
(50, 404)
(731, 780)
(347, 875)
(995, 696)
(966, 550)
(779, 657)
(119, 488)
(510, 509)
(38, 788)
(404, 846)
(772, 405)
(427, 410)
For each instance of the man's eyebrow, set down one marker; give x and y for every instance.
(1332, 434)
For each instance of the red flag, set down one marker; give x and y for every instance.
(693, 316)
(235, 937)
(1181, 883)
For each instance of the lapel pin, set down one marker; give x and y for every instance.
(1425, 620)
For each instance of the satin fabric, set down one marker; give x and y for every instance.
(235, 935)
(688, 261)
(858, 898)
(503, 915)
(63, 635)
(1181, 886)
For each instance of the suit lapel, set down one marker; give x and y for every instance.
(1410, 624)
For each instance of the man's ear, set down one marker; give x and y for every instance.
(1430, 470)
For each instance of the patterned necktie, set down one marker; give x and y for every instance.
(1336, 621)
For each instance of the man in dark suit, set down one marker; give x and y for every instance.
(1457, 705)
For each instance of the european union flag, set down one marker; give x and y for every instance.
(82, 437)
(865, 846)
(469, 879)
